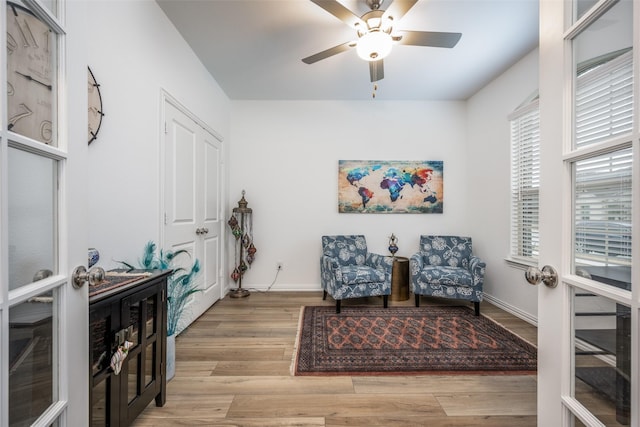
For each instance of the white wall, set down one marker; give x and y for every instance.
(488, 154)
(285, 155)
(134, 53)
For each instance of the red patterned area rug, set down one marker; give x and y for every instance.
(406, 341)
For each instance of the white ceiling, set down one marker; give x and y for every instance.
(253, 48)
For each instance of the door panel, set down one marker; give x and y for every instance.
(588, 325)
(211, 269)
(211, 213)
(44, 363)
(183, 183)
(193, 158)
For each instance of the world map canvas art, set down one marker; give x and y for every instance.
(390, 186)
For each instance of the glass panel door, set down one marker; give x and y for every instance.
(39, 310)
(601, 161)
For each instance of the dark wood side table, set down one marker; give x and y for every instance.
(400, 279)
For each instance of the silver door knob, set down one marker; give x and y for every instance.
(548, 275)
(200, 231)
(94, 276)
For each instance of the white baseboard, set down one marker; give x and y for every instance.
(512, 310)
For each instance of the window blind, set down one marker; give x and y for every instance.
(525, 181)
(604, 100)
(602, 206)
(603, 188)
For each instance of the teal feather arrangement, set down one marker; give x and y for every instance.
(180, 284)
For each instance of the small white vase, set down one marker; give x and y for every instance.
(171, 356)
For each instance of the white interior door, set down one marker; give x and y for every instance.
(192, 201)
(588, 324)
(43, 319)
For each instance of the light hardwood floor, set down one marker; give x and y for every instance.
(233, 369)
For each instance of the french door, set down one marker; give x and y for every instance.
(589, 214)
(193, 201)
(43, 318)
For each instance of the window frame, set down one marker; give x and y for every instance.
(524, 183)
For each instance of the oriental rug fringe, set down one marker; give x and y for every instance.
(406, 341)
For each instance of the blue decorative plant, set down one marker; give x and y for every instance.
(180, 284)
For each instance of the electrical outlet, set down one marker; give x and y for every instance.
(279, 265)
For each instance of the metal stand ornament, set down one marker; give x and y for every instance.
(241, 223)
(393, 245)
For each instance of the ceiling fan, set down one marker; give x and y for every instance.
(376, 34)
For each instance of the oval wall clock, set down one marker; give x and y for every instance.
(95, 107)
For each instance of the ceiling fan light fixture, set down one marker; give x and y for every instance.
(374, 45)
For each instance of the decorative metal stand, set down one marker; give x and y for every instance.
(393, 245)
(241, 223)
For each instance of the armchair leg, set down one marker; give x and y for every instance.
(385, 301)
(338, 306)
(476, 305)
(417, 300)
(324, 295)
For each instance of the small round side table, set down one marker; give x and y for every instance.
(400, 279)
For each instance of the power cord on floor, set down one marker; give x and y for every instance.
(271, 285)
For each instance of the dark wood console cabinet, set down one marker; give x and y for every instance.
(135, 311)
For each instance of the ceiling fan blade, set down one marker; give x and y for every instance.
(340, 12)
(428, 38)
(376, 70)
(329, 52)
(398, 8)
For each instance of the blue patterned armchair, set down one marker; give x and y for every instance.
(348, 270)
(446, 267)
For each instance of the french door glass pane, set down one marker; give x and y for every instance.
(32, 217)
(32, 358)
(31, 76)
(602, 359)
(602, 218)
(604, 77)
(581, 7)
(52, 6)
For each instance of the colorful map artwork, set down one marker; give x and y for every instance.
(390, 186)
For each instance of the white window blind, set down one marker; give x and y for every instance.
(604, 95)
(602, 205)
(525, 181)
(603, 184)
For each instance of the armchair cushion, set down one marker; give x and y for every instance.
(448, 276)
(354, 274)
(452, 251)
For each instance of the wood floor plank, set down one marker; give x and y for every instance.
(257, 368)
(335, 404)
(240, 385)
(446, 384)
(436, 421)
(214, 354)
(190, 368)
(460, 404)
(201, 406)
(239, 422)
